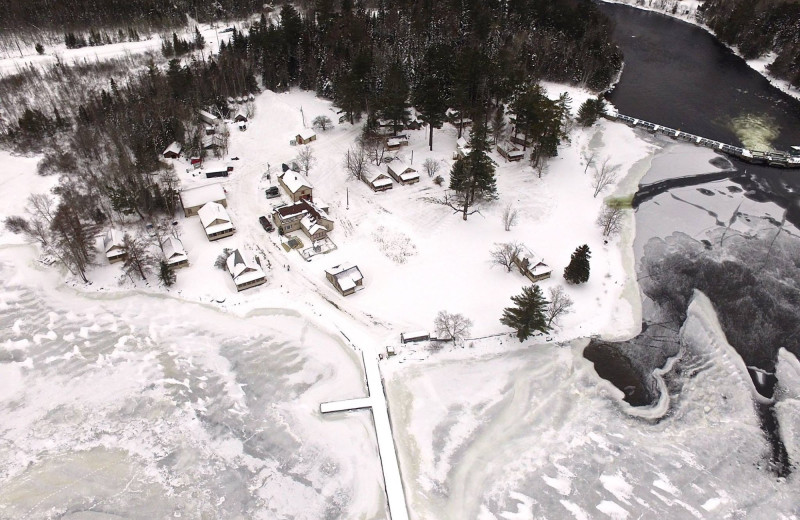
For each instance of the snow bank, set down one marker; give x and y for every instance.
(787, 402)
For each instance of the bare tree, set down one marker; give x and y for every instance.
(510, 215)
(70, 242)
(356, 162)
(222, 138)
(137, 258)
(610, 220)
(540, 166)
(169, 184)
(376, 148)
(305, 158)
(456, 201)
(431, 166)
(454, 327)
(322, 123)
(589, 156)
(560, 304)
(604, 176)
(42, 206)
(504, 254)
(250, 109)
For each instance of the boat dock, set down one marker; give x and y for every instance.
(775, 159)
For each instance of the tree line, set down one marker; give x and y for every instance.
(758, 28)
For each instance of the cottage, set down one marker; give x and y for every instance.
(113, 246)
(305, 215)
(296, 186)
(413, 337)
(174, 253)
(216, 221)
(531, 265)
(173, 151)
(240, 116)
(244, 271)
(214, 169)
(402, 172)
(509, 151)
(195, 198)
(346, 278)
(395, 143)
(209, 118)
(378, 181)
(305, 136)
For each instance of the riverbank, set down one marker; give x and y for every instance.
(686, 10)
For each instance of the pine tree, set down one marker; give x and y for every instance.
(590, 111)
(394, 98)
(578, 269)
(529, 314)
(472, 177)
(166, 273)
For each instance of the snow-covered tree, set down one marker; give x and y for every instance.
(528, 314)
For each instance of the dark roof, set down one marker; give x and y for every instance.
(297, 208)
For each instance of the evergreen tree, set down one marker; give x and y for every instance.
(394, 98)
(166, 274)
(528, 315)
(578, 269)
(199, 41)
(472, 177)
(590, 111)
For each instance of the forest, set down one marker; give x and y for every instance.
(758, 28)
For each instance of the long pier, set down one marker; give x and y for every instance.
(771, 158)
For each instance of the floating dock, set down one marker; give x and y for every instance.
(775, 159)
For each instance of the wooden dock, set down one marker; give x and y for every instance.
(775, 159)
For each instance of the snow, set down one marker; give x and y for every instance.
(214, 218)
(200, 195)
(294, 181)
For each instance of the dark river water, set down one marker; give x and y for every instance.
(678, 75)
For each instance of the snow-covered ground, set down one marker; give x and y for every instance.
(537, 435)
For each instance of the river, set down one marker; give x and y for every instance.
(727, 229)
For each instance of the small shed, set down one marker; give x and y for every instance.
(305, 136)
(395, 143)
(402, 172)
(113, 246)
(240, 116)
(244, 271)
(378, 181)
(531, 265)
(216, 221)
(510, 152)
(346, 278)
(462, 148)
(173, 151)
(412, 337)
(195, 198)
(174, 253)
(214, 169)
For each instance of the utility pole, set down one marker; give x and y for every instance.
(304, 117)
(347, 190)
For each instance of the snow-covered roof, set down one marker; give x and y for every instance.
(378, 182)
(208, 116)
(515, 153)
(536, 263)
(243, 268)
(173, 250)
(112, 240)
(400, 167)
(347, 275)
(294, 181)
(214, 218)
(215, 166)
(240, 113)
(198, 196)
(175, 148)
(462, 143)
(310, 224)
(306, 134)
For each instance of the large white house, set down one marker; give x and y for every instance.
(195, 198)
(246, 273)
(216, 221)
(174, 253)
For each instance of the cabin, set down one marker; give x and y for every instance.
(395, 143)
(244, 271)
(455, 119)
(378, 181)
(306, 136)
(402, 172)
(173, 151)
(510, 152)
(531, 265)
(312, 219)
(462, 148)
(113, 246)
(209, 118)
(216, 221)
(195, 198)
(215, 169)
(296, 186)
(240, 117)
(174, 253)
(346, 278)
(413, 337)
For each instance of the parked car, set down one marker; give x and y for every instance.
(266, 224)
(272, 192)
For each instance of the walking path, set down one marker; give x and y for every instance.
(376, 401)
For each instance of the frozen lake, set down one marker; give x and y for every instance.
(145, 407)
